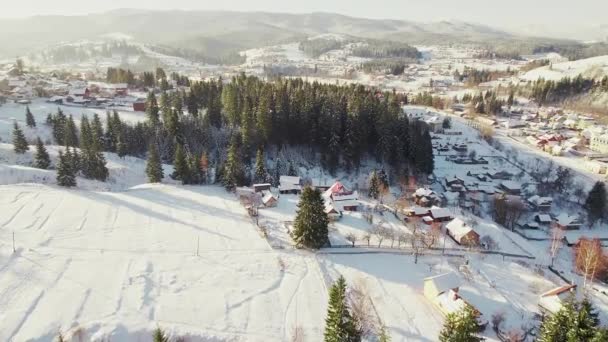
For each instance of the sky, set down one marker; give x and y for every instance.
(519, 15)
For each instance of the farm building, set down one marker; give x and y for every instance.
(440, 214)
(290, 185)
(462, 233)
(269, 200)
(261, 187)
(568, 222)
(541, 203)
(510, 187)
(443, 292)
(552, 301)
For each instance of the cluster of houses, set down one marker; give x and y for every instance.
(443, 291)
(69, 90)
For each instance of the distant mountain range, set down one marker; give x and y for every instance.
(224, 31)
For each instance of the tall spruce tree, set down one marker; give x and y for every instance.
(71, 133)
(310, 225)
(154, 168)
(596, 202)
(460, 326)
(339, 323)
(181, 166)
(152, 109)
(29, 118)
(555, 327)
(41, 159)
(234, 174)
(374, 186)
(19, 143)
(65, 172)
(260, 168)
(159, 336)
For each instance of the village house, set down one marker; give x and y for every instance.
(443, 291)
(341, 198)
(510, 187)
(332, 213)
(269, 200)
(552, 301)
(426, 197)
(261, 187)
(599, 143)
(290, 185)
(568, 222)
(321, 184)
(499, 174)
(440, 214)
(540, 203)
(463, 234)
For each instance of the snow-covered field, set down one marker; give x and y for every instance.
(595, 67)
(117, 264)
(10, 112)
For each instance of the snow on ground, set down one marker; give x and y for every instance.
(123, 172)
(595, 67)
(10, 112)
(117, 264)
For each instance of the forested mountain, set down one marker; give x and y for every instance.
(220, 32)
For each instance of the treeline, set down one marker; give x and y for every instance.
(386, 49)
(146, 79)
(77, 53)
(393, 66)
(316, 47)
(222, 58)
(549, 91)
(472, 77)
(488, 102)
(489, 54)
(569, 49)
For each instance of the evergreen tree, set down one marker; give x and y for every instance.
(596, 202)
(65, 172)
(374, 186)
(97, 136)
(152, 109)
(19, 143)
(310, 225)
(86, 136)
(383, 335)
(42, 159)
(58, 123)
(75, 159)
(339, 324)
(555, 327)
(233, 175)
(29, 118)
(181, 167)
(601, 335)
(292, 170)
(260, 169)
(583, 322)
(460, 326)
(71, 133)
(121, 147)
(154, 168)
(159, 336)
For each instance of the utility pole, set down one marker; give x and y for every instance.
(197, 244)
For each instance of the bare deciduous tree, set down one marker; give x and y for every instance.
(556, 242)
(589, 259)
(352, 238)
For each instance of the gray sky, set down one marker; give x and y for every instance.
(541, 15)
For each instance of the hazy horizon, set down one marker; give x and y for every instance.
(538, 17)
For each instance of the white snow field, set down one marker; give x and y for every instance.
(114, 265)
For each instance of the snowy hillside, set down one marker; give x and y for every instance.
(595, 67)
